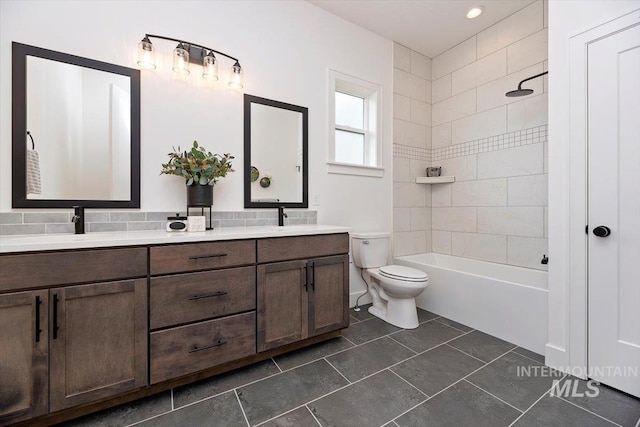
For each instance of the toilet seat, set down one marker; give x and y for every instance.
(402, 273)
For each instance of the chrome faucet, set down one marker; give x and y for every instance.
(78, 219)
(281, 216)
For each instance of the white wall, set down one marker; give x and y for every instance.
(566, 20)
(285, 49)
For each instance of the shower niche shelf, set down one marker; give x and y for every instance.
(435, 179)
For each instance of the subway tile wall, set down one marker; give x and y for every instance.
(412, 117)
(15, 223)
(495, 146)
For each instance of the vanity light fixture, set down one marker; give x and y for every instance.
(187, 52)
(475, 11)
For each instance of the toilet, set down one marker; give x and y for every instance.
(393, 288)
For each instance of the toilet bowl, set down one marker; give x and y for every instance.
(393, 288)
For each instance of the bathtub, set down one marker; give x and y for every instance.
(504, 301)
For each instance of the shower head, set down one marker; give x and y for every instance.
(523, 92)
(519, 92)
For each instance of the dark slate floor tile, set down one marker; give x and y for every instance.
(314, 352)
(530, 354)
(437, 369)
(278, 394)
(555, 412)
(508, 379)
(368, 358)
(483, 346)
(220, 383)
(371, 402)
(301, 417)
(461, 405)
(368, 330)
(426, 336)
(223, 410)
(353, 320)
(459, 326)
(425, 316)
(363, 314)
(611, 404)
(126, 414)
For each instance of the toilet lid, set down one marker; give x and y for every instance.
(400, 272)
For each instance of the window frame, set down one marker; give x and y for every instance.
(371, 94)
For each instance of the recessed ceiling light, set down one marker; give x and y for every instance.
(475, 11)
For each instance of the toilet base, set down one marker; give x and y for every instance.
(399, 312)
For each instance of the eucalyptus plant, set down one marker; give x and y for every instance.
(198, 165)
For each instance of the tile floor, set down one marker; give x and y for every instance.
(440, 374)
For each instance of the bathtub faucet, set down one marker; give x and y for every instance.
(545, 259)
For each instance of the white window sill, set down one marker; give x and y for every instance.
(350, 169)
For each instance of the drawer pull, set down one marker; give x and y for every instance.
(55, 316)
(214, 294)
(38, 330)
(196, 257)
(195, 348)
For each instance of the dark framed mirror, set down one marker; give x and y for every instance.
(76, 131)
(276, 138)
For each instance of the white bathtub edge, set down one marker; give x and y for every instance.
(510, 311)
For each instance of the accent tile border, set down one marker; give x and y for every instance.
(503, 141)
(410, 152)
(57, 222)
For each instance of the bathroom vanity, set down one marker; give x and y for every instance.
(96, 320)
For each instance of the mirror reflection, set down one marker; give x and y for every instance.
(275, 153)
(75, 131)
(78, 121)
(276, 149)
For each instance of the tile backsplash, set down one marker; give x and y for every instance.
(14, 223)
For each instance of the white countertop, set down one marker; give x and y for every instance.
(46, 242)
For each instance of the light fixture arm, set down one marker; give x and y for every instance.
(203, 48)
(531, 78)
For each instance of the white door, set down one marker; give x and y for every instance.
(614, 202)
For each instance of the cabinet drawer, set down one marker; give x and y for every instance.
(286, 248)
(65, 268)
(184, 298)
(201, 256)
(187, 349)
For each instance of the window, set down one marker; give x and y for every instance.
(355, 138)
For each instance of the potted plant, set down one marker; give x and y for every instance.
(201, 170)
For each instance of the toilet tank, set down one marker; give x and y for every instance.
(370, 250)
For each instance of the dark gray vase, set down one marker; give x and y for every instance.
(200, 195)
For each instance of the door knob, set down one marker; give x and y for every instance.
(602, 231)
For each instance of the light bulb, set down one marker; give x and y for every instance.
(146, 55)
(181, 60)
(235, 81)
(210, 67)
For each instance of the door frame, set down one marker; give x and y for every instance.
(577, 268)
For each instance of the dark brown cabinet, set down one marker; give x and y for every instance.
(24, 344)
(301, 299)
(84, 329)
(98, 341)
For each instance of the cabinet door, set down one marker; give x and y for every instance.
(98, 341)
(24, 370)
(282, 304)
(329, 294)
